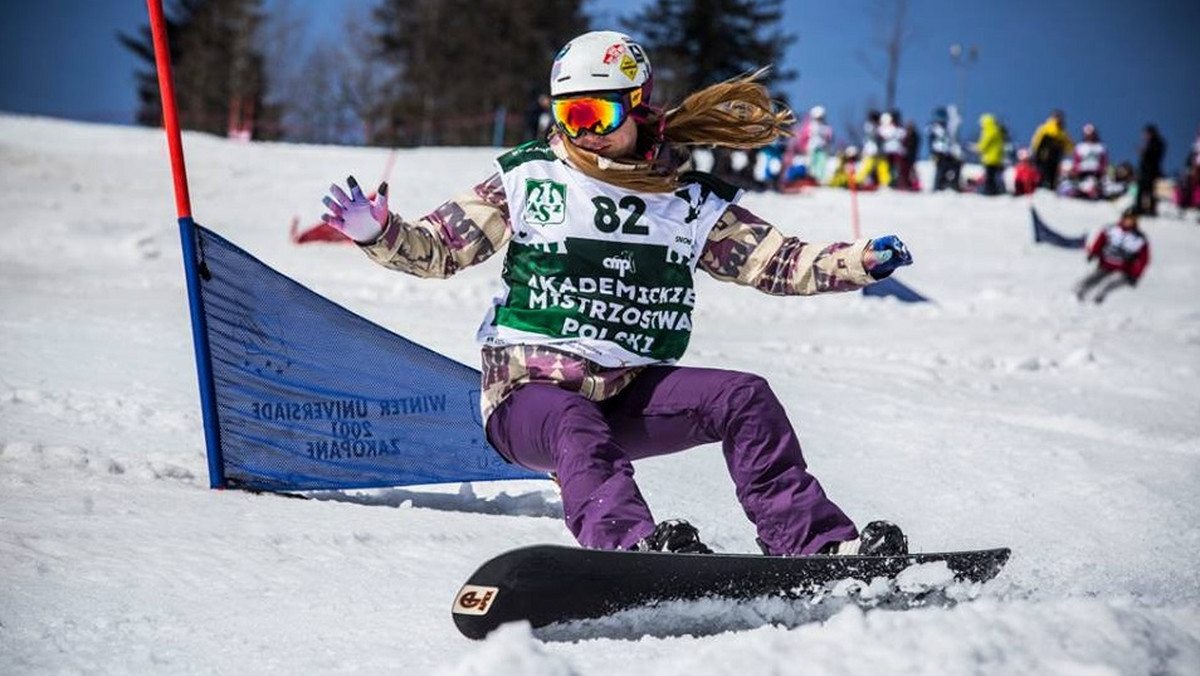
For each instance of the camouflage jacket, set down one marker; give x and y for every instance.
(741, 248)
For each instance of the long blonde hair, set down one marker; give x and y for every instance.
(737, 113)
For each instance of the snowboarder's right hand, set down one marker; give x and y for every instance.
(355, 215)
(884, 254)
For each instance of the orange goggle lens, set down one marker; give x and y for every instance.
(589, 113)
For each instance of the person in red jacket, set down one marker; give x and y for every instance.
(1120, 250)
(1026, 177)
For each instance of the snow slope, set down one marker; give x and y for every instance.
(1003, 414)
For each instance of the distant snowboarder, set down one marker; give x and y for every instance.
(1121, 250)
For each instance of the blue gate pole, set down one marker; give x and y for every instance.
(204, 372)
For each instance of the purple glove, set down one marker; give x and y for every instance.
(357, 217)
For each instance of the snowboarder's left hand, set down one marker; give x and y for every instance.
(884, 254)
(358, 217)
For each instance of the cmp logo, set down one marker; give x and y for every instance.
(474, 600)
(622, 263)
(545, 202)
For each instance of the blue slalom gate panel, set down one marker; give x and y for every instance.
(308, 395)
(1044, 234)
(890, 286)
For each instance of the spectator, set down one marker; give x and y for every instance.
(891, 142)
(991, 154)
(1026, 177)
(847, 159)
(1187, 188)
(1118, 183)
(817, 141)
(1010, 148)
(1149, 170)
(1049, 145)
(806, 154)
(1119, 249)
(944, 150)
(912, 148)
(873, 170)
(538, 120)
(1089, 164)
(735, 166)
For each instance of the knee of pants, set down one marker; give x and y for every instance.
(578, 424)
(743, 390)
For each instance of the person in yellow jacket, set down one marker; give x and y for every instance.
(991, 154)
(1050, 144)
(873, 170)
(843, 175)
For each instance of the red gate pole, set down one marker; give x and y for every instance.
(166, 87)
(188, 237)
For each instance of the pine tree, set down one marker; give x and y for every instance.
(220, 79)
(695, 43)
(458, 62)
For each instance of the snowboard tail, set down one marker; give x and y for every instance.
(547, 584)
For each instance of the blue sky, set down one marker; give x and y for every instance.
(1118, 64)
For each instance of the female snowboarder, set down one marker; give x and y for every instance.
(604, 228)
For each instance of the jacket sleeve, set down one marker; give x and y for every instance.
(463, 232)
(744, 249)
(1097, 245)
(1038, 134)
(1138, 265)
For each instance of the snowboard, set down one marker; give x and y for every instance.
(549, 584)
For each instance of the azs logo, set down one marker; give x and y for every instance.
(545, 202)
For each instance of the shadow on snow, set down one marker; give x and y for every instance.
(542, 503)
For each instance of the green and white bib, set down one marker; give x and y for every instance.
(597, 270)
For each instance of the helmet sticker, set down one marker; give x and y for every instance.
(613, 53)
(629, 67)
(636, 50)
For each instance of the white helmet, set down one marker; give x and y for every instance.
(817, 113)
(601, 61)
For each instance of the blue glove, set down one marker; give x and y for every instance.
(884, 255)
(355, 215)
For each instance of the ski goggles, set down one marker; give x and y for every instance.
(600, 114)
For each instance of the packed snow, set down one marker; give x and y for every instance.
(1004, 413)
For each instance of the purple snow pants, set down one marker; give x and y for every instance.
(666, 409)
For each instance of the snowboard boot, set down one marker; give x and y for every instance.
(676, 536)
(878, 538)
